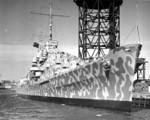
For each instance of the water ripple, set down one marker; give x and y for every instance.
(15, 108)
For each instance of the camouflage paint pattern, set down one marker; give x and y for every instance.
(94, 80)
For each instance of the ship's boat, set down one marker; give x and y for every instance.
(102, 82)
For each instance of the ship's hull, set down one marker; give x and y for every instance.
(95, 84)
(103, 104)
(4, 88)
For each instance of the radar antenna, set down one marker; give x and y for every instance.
(51, 15)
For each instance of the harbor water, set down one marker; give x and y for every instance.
(16, 108)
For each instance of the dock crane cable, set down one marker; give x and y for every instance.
(129, 34)
(137, 22)
(134, 27)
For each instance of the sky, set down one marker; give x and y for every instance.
(19, 29)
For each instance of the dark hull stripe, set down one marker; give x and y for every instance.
(3, 88)
(103, 104)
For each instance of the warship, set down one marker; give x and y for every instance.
(101, 81)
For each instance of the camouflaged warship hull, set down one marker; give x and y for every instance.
(93, 84)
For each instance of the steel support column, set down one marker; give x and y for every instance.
(99, 27)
